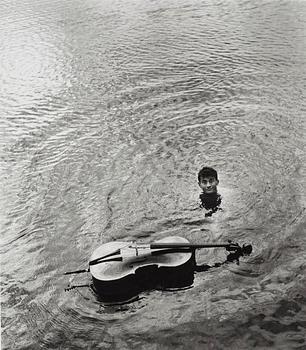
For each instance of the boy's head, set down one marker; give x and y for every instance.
(208, 180)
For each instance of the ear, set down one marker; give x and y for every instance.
(217, 182)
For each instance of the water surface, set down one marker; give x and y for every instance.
(108, 110)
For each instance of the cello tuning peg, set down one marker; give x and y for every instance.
(247, 249)
(232, 247)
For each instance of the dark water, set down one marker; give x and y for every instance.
(108, 110)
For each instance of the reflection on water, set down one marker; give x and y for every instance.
(108, 110)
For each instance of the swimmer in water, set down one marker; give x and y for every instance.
(210, 199)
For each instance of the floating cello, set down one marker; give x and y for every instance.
(121, 270)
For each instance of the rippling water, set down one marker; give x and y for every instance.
(108, 110)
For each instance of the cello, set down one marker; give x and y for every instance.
(121, 270)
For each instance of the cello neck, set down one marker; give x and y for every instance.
(162, 245)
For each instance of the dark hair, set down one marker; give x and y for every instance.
(207, 171)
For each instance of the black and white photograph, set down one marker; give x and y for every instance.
(153, 174)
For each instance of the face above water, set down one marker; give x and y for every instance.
(209, 184)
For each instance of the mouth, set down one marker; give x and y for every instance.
(209, 190)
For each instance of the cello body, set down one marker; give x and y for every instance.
(121, 270)
(128, 270)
